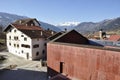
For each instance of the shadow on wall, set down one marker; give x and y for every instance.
(55, 75)
(22, 74)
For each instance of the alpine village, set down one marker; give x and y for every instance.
(28, 49)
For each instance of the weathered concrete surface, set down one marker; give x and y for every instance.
(25, 69)
(84, 63)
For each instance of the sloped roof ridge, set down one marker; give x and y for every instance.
(64, 34)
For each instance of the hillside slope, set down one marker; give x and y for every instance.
(6, 18)
(106, 25)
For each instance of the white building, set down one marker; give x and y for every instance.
(27, 39)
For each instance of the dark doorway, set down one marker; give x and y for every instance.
(61, 67)
(27, 55)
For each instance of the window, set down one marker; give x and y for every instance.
(25, 45)
(37, 53)
(43, 51)
(22, 51)
(14, 30)
(15, 37)
(17, 45)
(14, 45)
(36, 46)
(10, 37)
(45, 44)
(10, 44)
(25, 39)
(22, 35)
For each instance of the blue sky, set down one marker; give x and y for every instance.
(58, 11)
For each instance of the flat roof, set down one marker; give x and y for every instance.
(87, 46)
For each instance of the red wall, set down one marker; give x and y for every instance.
(84, 63)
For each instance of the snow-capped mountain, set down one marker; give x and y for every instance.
(67, 25)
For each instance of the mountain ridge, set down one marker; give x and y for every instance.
(6, 18)
(106, 25)
(84, 27)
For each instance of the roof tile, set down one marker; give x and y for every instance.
(114, 38)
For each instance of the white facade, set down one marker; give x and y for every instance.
(22, 45)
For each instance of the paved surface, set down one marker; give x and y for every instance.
(23, 70)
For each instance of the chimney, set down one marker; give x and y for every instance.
(65, 29)
(26, 24)
(41, 33)
(52, 32)
(20, 22)
(101, 34)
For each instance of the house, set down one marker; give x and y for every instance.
(71, 37)
(72, 56)
(101, 35)
(27, 39)
(114, 38)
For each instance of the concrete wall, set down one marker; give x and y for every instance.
(41, 42)
(83, 62)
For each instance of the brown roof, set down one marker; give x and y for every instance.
(55, 35)
(23, 27)
(31, 31)
(24, 21)
(114, 38)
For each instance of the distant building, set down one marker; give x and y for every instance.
(114, 38)
(27, 39)
(101, 35)
(72, 56)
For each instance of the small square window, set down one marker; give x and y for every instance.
(22, 51)
(10, 44)
(37, 53)
(10, 37)
(14, 30)
(22, 35)
(45, 44)
(17, 45)
(25, 39)
(14, 45)
(43, 52)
